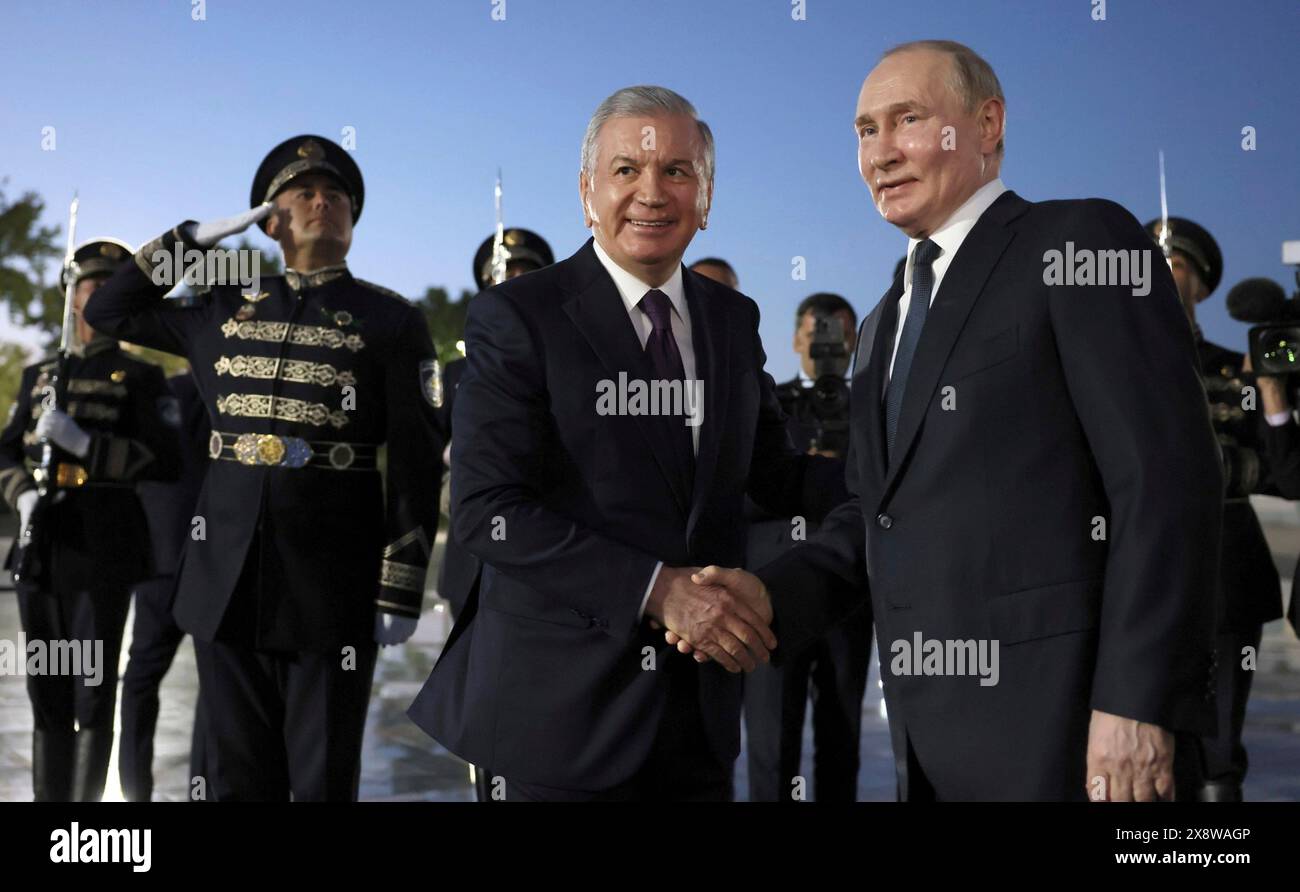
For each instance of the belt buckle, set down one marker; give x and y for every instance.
(70, 476)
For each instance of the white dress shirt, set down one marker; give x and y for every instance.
(632, 289)
(948, 237)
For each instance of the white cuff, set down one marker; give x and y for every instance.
(1277, 419)
(640, 614)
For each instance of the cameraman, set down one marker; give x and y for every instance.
(816, 403)
(1212, 768)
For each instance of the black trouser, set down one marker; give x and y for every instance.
(72, 737)
(155, 638)
(834, 670)
(1214, 767)
(283, 723)
(681, 766)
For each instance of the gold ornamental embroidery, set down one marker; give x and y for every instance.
(297, 371)
(255, 405)
(416, 535)
(93, 386)
(407, 577)
(93, 411)
(299, 335)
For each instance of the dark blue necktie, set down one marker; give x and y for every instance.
(666, 360)
(923, 257)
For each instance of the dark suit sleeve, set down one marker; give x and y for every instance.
(152, 451)
(14, 477)
(816, 584)
(414, 471)
(783, 480)
(1130, 367)
(130, 306)
(503, 444)
(1282, 454)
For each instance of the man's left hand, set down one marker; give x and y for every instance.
(393, 629)
(1128, 760)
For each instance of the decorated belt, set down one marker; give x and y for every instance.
(275, 451)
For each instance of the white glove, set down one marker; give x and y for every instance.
(26, 502)
(208, 234)
(393, 629)
(55, 425)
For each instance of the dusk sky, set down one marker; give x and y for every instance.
(159, 118)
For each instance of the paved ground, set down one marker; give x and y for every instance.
(400, 762)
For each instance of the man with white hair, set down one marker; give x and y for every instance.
(612, 417)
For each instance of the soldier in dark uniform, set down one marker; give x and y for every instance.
(833, 670)
(526, 251)
(301, 559)
(1212, 768)
(155, 637)
(110, 434)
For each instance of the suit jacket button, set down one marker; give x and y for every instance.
(884, 521)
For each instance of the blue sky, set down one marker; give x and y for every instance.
(160, 117)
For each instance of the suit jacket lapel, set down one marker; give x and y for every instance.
(598, 312)
(877, 338)
(711, 338)
(962, 284)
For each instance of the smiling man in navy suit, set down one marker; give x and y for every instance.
(1036, 486)
(591, 507)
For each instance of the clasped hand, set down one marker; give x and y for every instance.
(716, 613)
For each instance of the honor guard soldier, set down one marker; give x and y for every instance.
(1212, 768)
(301, 559)
(104, 415)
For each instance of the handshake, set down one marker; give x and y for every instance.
(716, 613)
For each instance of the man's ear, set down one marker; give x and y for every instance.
(708, 205)
(584, 196)
(273, 222)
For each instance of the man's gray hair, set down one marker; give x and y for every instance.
(972, 79)
(647, 102)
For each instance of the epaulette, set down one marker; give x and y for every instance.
(381, 289)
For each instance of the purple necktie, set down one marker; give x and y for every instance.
(666, 359)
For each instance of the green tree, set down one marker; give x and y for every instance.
(26, 250)
(13, 359)
(446, 319)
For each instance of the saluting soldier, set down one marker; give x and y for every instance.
(300, 560)
(1211, 768)
(111, 431)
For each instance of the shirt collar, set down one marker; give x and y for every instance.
(632, 289)
(954, 230)
(314, 278)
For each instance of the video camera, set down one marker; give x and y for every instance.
(825, 405)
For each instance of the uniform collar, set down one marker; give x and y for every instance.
(300, 281)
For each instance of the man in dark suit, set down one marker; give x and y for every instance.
(1037, 492)
(590, 506)
(155, 636)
